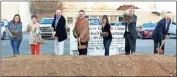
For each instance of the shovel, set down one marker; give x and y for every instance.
(80, 46)
(159, 50)
(7, 30)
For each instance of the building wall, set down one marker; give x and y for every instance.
(112, 15)
(146, 16)
(9, 9)
(143, 16)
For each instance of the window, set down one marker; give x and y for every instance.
(120, 19)
(86, 16)
(100, 18)
(113, 19)
(70, 20)
(93, 16)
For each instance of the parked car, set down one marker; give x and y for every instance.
(172, 30)
(4, 34)
(146, 30)
(45, 27)
(138, 29)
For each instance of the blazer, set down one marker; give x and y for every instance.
(132, 27)
(160, 30)
(60, 29)
(82, 30)
(107, 29)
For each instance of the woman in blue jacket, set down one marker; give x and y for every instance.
(15, 29)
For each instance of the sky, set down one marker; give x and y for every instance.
(171, 6)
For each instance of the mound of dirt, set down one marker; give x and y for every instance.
(118, 65)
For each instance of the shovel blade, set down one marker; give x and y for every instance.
(159, 50)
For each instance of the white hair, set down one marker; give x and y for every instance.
(168, 15)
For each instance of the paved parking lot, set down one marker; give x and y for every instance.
(144, 46)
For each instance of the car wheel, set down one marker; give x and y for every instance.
(3, 36)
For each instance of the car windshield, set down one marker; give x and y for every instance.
(46, 21)
(149, 25)
(94, 21)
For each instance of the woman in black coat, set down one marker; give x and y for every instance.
(106, 34)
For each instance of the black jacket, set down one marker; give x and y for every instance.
(160, 31)
(132, 27)
(107, 28)
(60, 29)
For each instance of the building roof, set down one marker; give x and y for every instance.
(125, 7)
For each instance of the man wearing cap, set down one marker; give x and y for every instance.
(130, 33)
(161, 32)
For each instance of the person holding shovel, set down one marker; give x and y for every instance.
(160, 33)
(59, 32)
(14, 28)
(81, 33)
(35, 35)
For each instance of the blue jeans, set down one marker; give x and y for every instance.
(15, 46)
(107, 43)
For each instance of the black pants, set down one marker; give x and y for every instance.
(157, 45)
(83, 51)
(130, 43)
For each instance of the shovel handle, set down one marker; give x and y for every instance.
(162, 43)
(77, 39)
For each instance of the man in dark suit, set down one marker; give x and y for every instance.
(161, 32)
(59, 33)
(130, 33)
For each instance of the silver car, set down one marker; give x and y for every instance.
(4, 34)
(45, 26)
(172, 30)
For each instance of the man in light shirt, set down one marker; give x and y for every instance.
(130, 33)
(59, 33)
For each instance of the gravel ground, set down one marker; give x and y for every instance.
(117, 65)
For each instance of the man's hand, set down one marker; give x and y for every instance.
(53, 34)
(78, 39)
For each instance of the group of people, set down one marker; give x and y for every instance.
(81, 30)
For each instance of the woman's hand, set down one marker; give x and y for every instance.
(105, 34)
(29, 28)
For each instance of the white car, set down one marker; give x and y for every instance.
(172, 30)
(4, 34)
(45, 26)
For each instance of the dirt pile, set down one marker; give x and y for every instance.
(118, 65)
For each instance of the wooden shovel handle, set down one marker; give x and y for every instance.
(77, 38)
(162, 43)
